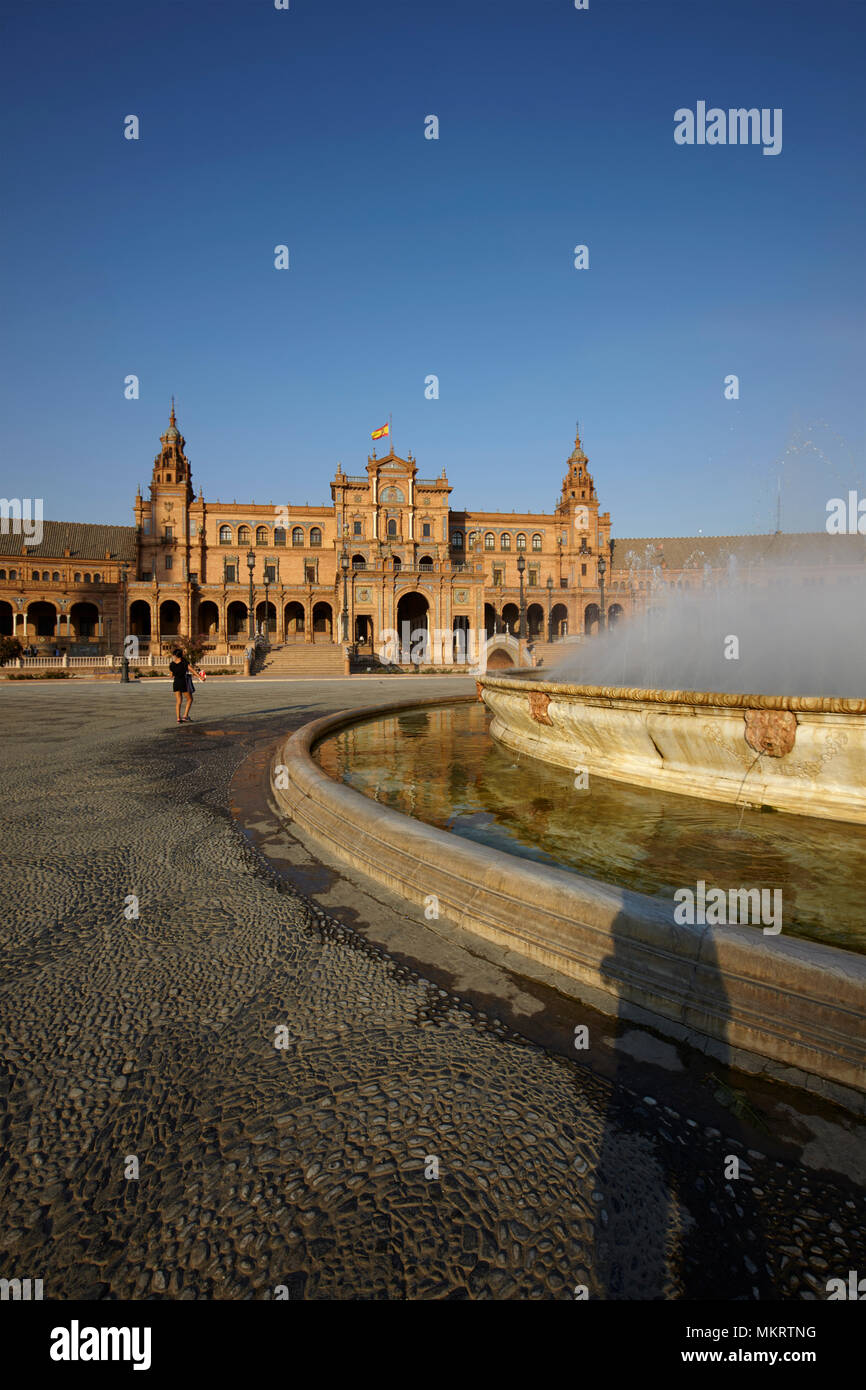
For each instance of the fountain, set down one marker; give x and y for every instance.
(659, 704)
(776, 991)
(805, 755)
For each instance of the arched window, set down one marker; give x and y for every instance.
(44, 576)
(97, 579)
(87, 578)
(77, 578)
(55, 578)
(13, 574)
(457, 540)
(392, 527)
(36, 575)
(505, 541)
(2, 574)
(298, 536)
(225, 535)
(536, 542)
(315, 536)
(521, 541)
(261, 535)
(243, 535)
(279, 535)
(473, 537)
(489, 540)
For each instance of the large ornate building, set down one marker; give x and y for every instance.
(389, 550)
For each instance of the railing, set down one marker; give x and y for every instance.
(356, 477)
(426, 567)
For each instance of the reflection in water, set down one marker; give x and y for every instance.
(443, 767)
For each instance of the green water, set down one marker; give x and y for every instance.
(442, 766)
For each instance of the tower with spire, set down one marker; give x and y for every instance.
(584, 531)
(164, 520)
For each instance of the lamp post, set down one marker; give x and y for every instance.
(521, 566)
(602, 566)
(124, 663)
(251, 564)
(344, 565)
(549, 608)
(267, 610)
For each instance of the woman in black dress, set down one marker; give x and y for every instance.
(183, 687)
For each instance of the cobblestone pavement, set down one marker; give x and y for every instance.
(312, 1166)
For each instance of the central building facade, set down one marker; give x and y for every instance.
(389, 550)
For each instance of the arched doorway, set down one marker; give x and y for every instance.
(359, 562)
(41, 619)
(266, 618)
(559, 620)
(208, 619)
(7, 620)
(294, 621)
(489, 619)
(614, 613)
(139, 618)
(511, 618)
(85, 620)
(323, 619)
(535, 621)
(460, 652)
(364, 630)
(169, 618)
(590, 618)
(236, 620)
(413, 617)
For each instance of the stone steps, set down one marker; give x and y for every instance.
(305, 661)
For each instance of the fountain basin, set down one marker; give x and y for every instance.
(792, 1008)
(805, 755)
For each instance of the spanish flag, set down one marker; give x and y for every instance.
(380, 434)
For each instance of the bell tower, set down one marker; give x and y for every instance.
(584, 531)
(164, 521)
(171, 466)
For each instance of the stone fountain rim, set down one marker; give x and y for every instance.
(798, 1006)
(805, 704)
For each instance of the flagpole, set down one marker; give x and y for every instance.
(391, 433)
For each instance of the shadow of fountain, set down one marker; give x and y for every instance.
(666, 1197)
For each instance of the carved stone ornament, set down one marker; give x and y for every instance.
(538, 703)
(771, 731)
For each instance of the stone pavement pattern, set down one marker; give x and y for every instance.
(305, 1166)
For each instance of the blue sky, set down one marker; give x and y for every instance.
(453, 257)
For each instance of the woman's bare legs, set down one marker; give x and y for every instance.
(188, 699)
(178, 696)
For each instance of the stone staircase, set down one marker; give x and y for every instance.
(551, 653)
(305, 661)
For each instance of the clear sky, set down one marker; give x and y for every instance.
(411, 257)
